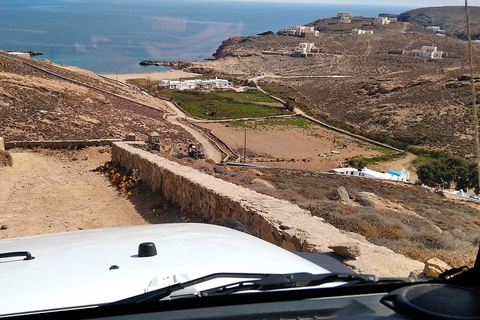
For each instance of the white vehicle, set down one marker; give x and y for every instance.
(192, 271)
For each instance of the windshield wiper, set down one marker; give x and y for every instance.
(293, 280)
(263, 282)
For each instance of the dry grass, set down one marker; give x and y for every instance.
(410, 235)
(417, 237)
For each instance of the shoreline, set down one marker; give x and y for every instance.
(168, 75)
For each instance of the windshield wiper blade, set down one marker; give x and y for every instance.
(165, 292)
(293, 280)
(264, 281)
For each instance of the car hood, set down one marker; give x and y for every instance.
(100, 266)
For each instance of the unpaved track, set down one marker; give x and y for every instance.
(42, 194)
(209, 149)
(54, 193)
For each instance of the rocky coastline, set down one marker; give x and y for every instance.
(177, 65)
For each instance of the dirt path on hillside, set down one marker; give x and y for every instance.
(208, 148)
(44, 193)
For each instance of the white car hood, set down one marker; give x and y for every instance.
(75, 268)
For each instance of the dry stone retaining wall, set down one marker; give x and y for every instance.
(218, 201)
(277, 221)
(59, 144)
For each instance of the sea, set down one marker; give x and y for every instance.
(113, 36)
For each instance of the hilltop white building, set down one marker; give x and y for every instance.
(302, 31)
(344, 17)
(380, 21)
(429, 52)
(194, 84)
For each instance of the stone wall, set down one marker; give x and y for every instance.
(277, 221)
(218, 201)
(59, 144)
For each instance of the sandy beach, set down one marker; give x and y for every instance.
(172, 75)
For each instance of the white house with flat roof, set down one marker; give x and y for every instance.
(304, 31)
(194, 84)
(304, 49)
(380, 21)
(344, 17)
(429, 52)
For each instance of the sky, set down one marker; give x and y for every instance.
(403, 3)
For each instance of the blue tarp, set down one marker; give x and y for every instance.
(395, 173)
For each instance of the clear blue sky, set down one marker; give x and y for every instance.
(404, 3)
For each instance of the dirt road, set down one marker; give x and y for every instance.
(209, 149)
(45, 193)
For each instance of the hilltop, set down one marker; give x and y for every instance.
(413, 100)
(450, 19)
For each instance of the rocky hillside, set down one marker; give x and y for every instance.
(415, 100)
(450, 19)
(44, 101)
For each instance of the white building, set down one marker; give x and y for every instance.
(344, 17)
(194, 84)
(304, 49)
(435, 29)
(372, 174)
(25, 55)
(303, 31)
(358, 31)
(380, 21)
(429, 52)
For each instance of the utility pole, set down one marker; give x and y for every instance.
(474, 96)
(245, 146)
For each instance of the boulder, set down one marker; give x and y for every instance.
(344, 197)
(2, 144)
(350, 250)
(262, 182)
(434, 267)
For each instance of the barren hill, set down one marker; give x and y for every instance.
(451, 19)
(43, 101)
(411, 99)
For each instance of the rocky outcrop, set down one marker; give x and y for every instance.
(223, 50)
(348, 250)
(262, 182)
(178, 65)
(435, 267)
(344, 197)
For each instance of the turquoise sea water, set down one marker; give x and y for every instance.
(109, 36)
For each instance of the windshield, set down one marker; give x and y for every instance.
(345, 129)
